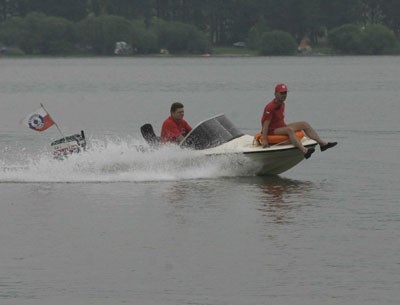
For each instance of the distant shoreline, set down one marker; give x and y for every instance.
(216, 52)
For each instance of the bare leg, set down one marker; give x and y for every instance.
(308, 130)
(290, 129)
(290, 132)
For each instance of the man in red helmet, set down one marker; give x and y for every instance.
(273, 123)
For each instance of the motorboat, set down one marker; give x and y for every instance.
(68, 145)
(218, 136)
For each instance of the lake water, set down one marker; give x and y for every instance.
(118, 226)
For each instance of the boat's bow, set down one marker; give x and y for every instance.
(273, 160)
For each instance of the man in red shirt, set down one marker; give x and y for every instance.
(273, 122)
(175, 128)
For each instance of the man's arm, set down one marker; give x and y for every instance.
(188, 127)
(265, 133)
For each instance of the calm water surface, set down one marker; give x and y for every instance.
(119, 226)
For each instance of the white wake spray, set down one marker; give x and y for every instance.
(120, 160)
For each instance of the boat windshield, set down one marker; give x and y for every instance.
(211, 133)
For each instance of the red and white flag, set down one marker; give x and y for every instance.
(39, 120)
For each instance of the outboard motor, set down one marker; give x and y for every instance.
(68, 145)
(149, 135)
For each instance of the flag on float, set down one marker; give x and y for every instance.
(39, 120)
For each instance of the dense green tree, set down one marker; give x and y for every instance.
(144, 40)
(371, 11)
(13, 31)
(255, 33)
(223, 21)
(310, 22)
(58, 36)
(372, 39)
(3, 9)
(38, 33)
(277, 43)
(10, 8)
(391, 13)
(125, 8)
(101, 33)
(73, 10)
(178, 37)
(378, 39)
(346, 39)
(338, 12)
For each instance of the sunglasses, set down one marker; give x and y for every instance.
(283, 93)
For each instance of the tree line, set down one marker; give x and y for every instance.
(197, 25)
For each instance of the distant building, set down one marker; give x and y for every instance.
(304, 46)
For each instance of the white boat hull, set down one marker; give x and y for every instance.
(273, 160)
